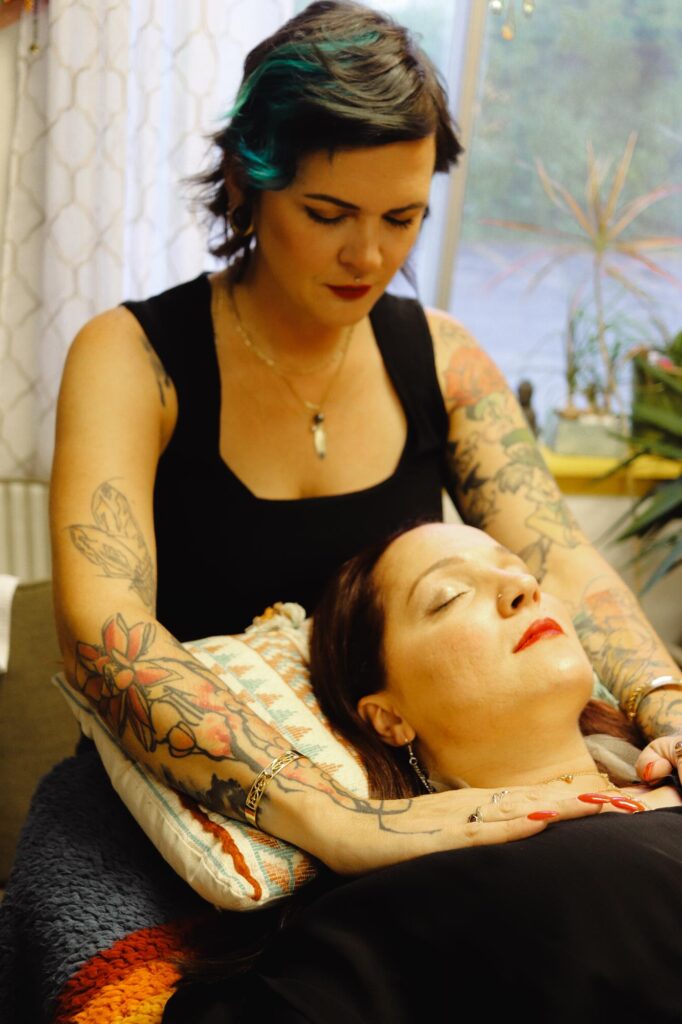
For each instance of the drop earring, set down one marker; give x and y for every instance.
(418, 770)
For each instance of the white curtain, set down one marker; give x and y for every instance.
(112, 114)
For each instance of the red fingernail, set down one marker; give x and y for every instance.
(543, 815)
(648, 769)
(594, 798)
(628, 805)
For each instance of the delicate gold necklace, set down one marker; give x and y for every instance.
(316, 408)
(569, 776)
(608, 787)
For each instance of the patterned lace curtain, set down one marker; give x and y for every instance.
(112, 114)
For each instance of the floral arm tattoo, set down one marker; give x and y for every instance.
(173, 704)
(626, 652)
(495, 456)
(492, 455)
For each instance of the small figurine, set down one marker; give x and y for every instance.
(525, 395)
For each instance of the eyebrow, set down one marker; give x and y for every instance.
(442, 563)
(323, 197)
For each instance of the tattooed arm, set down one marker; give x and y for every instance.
(499, 482)
(116, 412)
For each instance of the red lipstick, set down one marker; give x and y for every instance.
(349, 292)
(537, 631)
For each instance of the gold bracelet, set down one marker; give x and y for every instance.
(639, 693)
(254, 795)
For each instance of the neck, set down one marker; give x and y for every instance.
(276, 322)
(538, 760)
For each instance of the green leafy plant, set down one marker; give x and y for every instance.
(599, 232)
(586, 379)
(656, 519)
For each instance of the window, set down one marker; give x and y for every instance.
(576, 72)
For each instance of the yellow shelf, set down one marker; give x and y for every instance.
(581, 474)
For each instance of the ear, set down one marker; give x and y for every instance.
(379, 711)
(235, 183)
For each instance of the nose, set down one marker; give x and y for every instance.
(515, 592)
(361, 253)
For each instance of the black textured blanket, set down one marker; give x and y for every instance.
(93, 921)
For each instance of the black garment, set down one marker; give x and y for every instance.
(224, 554)
(580, 923)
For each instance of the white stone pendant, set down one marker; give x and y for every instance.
(319, 435)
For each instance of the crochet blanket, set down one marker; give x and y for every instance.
(94, 922)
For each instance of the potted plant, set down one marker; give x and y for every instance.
(596, 341)
(656, 519)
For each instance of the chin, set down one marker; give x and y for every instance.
(576, 672)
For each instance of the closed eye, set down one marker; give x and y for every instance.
(394, 222)
(444, 604)
(319, 219)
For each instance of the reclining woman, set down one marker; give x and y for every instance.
(439, 657)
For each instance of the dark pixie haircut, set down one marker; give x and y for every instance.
(347, 663)
(337, 76)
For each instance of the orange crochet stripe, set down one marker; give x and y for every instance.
(129, 983)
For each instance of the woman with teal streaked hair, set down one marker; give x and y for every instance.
(266, 422)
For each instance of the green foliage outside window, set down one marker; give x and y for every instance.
(577, 70)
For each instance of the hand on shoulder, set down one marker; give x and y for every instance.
(353, 836)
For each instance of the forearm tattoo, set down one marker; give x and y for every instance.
(497, 455)
(174, 703)
(625, 651)
(132, 689)
(115, 543)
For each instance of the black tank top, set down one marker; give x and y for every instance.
(223, 554)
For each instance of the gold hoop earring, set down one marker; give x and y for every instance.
(241, 221)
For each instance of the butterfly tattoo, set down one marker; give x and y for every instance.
(115, 542)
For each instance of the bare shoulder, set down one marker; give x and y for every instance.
(113, 347)
(114, 332)
(448, 333)
(113, 326)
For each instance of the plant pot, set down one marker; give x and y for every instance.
(588, 434)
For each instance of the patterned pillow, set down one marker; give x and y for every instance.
(230, 864)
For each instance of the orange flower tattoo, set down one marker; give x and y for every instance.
(471, 376)
(114, 677)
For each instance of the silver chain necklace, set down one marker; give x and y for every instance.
(317, 426)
